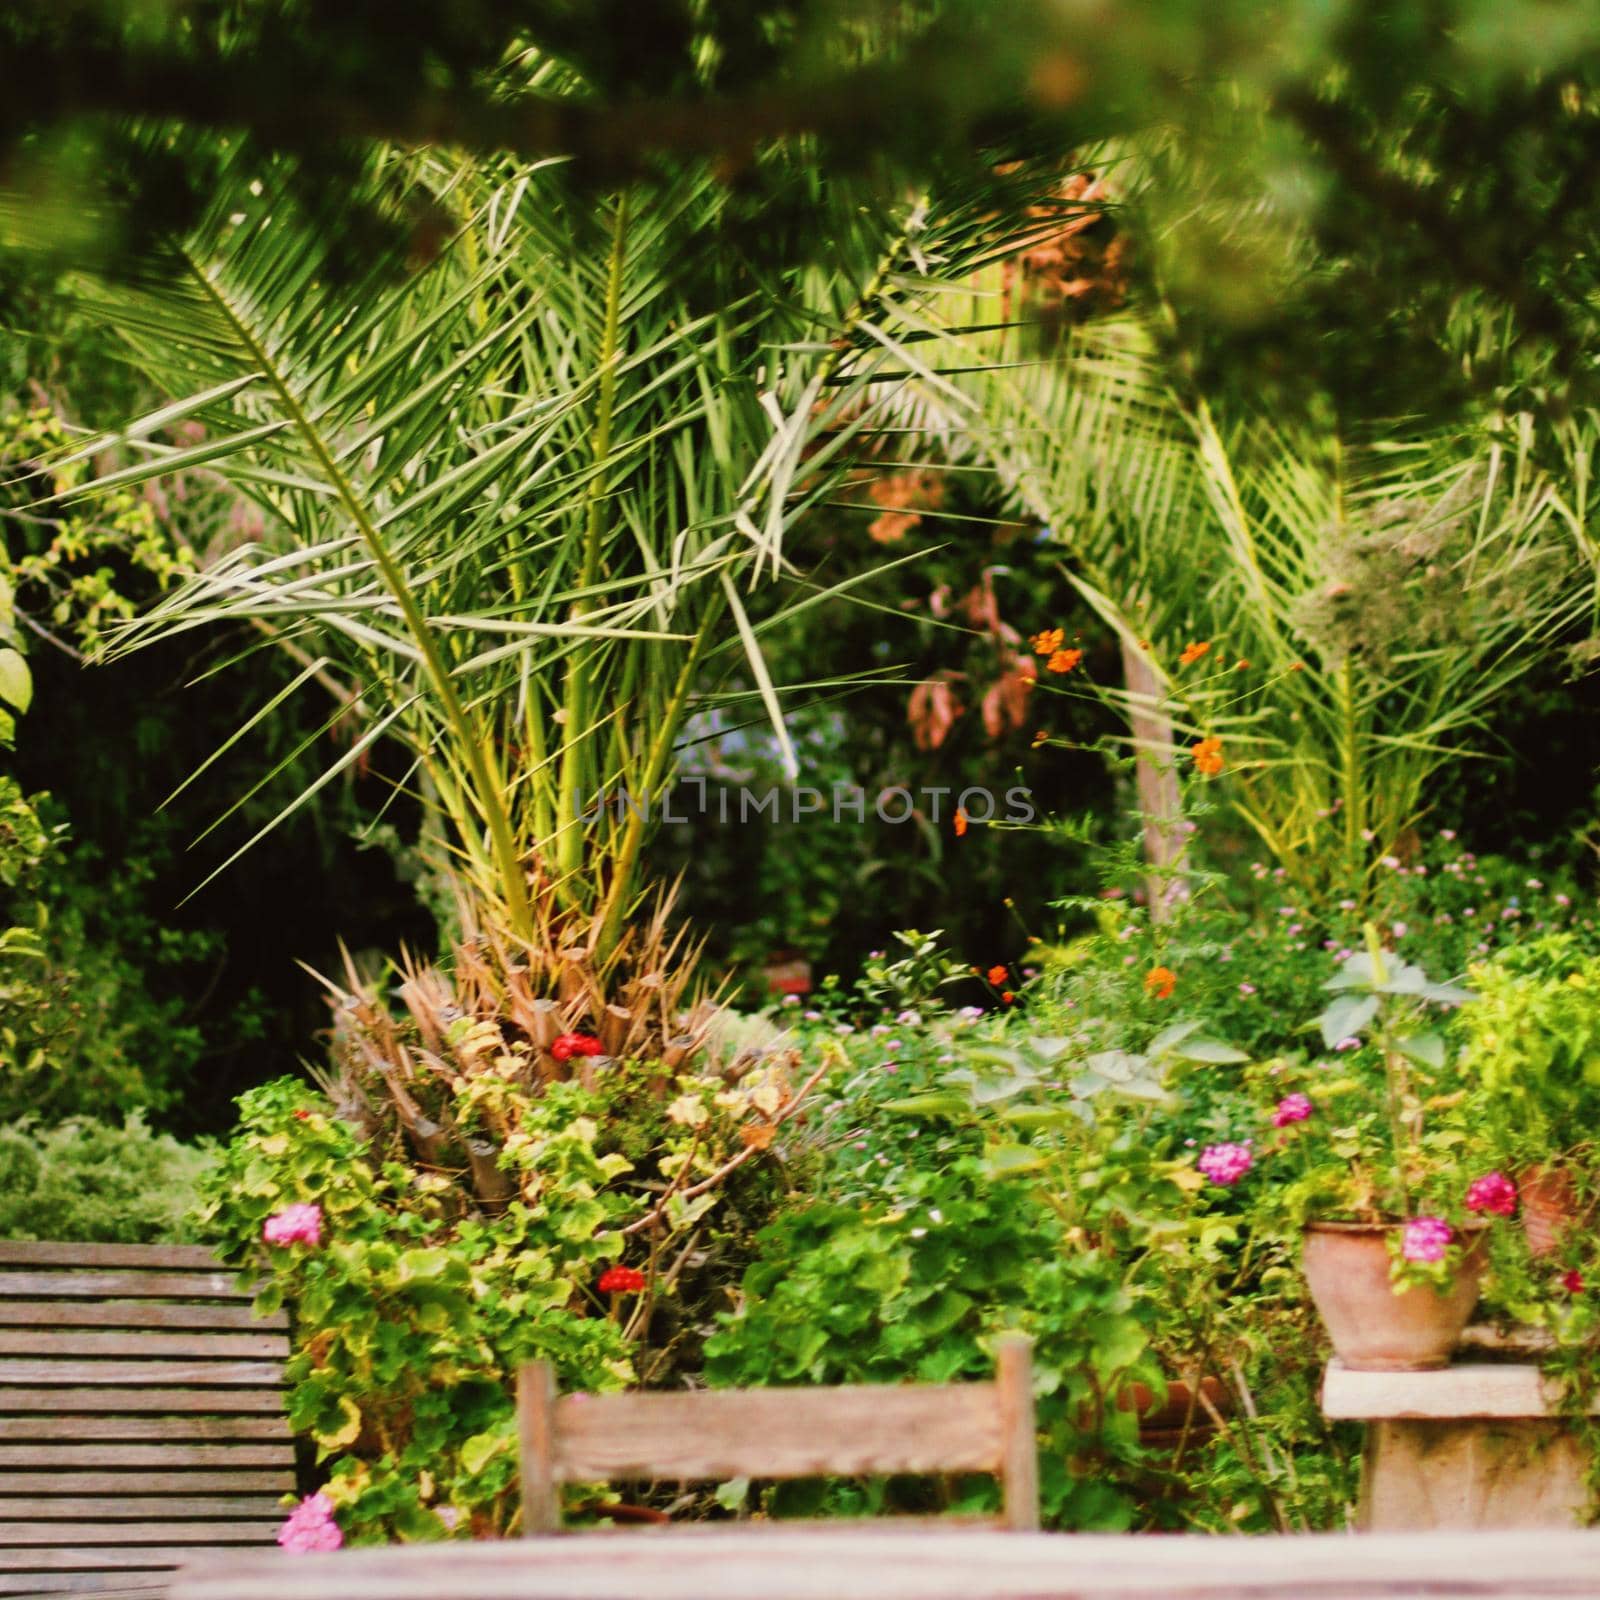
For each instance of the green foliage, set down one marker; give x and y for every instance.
(1533, 1050)
(411, 1319)
(99, 1183)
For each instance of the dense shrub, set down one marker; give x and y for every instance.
(98, 1183)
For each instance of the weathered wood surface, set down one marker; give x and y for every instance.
(144, 1257)
(778, 1433)
(1469, 1389)
(131, 1285)
(137, 1314)
(886, 1565)
(164, 1401)
(141, 1416)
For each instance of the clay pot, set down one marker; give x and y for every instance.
(1374, 1328)
(1549, 1207)
(1157, 1421)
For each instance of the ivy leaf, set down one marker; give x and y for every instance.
(344, 1432)
(478, 1451)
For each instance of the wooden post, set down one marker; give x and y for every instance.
(536, 1437)
(1155, 768)
(1019, 1445)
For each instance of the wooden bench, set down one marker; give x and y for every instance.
(853, 1431)
(141, 1415)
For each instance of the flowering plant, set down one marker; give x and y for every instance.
(1377, 1130)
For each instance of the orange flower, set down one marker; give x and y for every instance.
(1240, 664)
(1063, 660)
(1207, 757)
(1048, 642)
(1160, 982)
(997, 976)
(961, 822)
(1041, 737)
(1193, 652)
(1007, 996)
(1297, 666)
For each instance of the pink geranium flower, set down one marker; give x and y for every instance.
(1426, 1239)
(1493, 1192)
(1292, 1108)
(310, 1526)
(296, 1224)
(1225, 1163)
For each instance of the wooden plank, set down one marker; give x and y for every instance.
(1472, 1389)
(134, 1285)
(778, 1433)
(101, 1558)
(137, 1314)
(239, 1346)
(211, 1399)
(36, 1457)
(251, 1480)
(922, 1566)
(142, 1427)
(90, 1583)
(79, 1373)
(106, 1508)
(27, 1535)
(49, 1253)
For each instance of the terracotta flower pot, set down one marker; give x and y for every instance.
(1373, 1327)
(1549, 1207)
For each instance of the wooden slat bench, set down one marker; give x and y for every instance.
(141, 1415)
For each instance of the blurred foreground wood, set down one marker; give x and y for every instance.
(878, 1563)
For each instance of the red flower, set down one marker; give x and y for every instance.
(1493, 1192)
(302, 1116)
(1572, 1281)
(576, 1044)
(997, 975)
(961, 822)
(621, 1280)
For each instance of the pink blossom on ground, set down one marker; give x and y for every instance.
(1493, 1192)
(1426, 1239)
(1292, 1108)
(1225, 1163)
(310, 1526)
(296, 1224)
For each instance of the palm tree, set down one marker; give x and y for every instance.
(1364, 599)
(517, 497)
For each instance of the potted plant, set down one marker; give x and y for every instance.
(1533, 1060)
(1378, 1139)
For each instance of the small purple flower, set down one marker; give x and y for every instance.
(909, 1019)
(1447, 833)
(1247, 989)
(1292, 1108)
(1349, 1042)
(1426, 1239)
(296, 1224)
(1400, 930)
(1226, 1164)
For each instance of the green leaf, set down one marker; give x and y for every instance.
(1011, 1160)
(478, 1451)
(1426, 1049)
(1346, 1017)
(1212, 1051)
(940, 1103)
(16, 681)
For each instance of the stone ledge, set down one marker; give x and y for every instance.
(1465, 1391)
